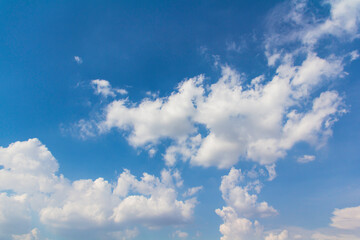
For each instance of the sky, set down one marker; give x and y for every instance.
(230, 120)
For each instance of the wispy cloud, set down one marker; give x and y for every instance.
(78, 60)
(306, 159)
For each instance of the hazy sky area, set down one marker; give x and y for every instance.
(183, 119)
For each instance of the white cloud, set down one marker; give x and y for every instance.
(192, 191)
(37, 192)
(14, 214)
(320, 236)
(34, 234)
(154, 119)
(124, 235)
(272, 172)
(102, 87)
(236, 228)
(306, 159)
(354, 55)
(239, 197)
(152, 152)
(233, 46)
(300, 24)
(346, 218)
(121, 91)
(281, 236)
(180, 234)
(28, 167)
(343, 21)
(160, 208)
(257, 121)
(78, 60)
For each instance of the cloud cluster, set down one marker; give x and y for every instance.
(242, 207)
(31, 188)
(240, 197)
(238, 118)
(237, 228)
(240, 193)
(260, 120)
(287, 105)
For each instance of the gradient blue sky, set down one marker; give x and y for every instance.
(151, 47)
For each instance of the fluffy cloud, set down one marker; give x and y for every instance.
(160, 207)
(103, 87)
(240, 199)
(154, 119)
(28, 167)
(236, 228)
(238, 118)
(281, 236)
(14, 214)
(31, 188)
(346, 218)
(260, 121)
(241, 206)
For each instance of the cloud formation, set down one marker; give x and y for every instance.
(346, 218)
(103, 87)
(31, 187)
(258, 121)
(243, 208)
(236, 117)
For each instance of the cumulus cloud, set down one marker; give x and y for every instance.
(30, 187)
(242, 205)
(14, 214)
(260, 121)
(238, 118)
(281, 236)
(157, 118)
(240, 198)
(237, 228)
(346, 218)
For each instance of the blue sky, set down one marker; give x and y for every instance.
(140, 120)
